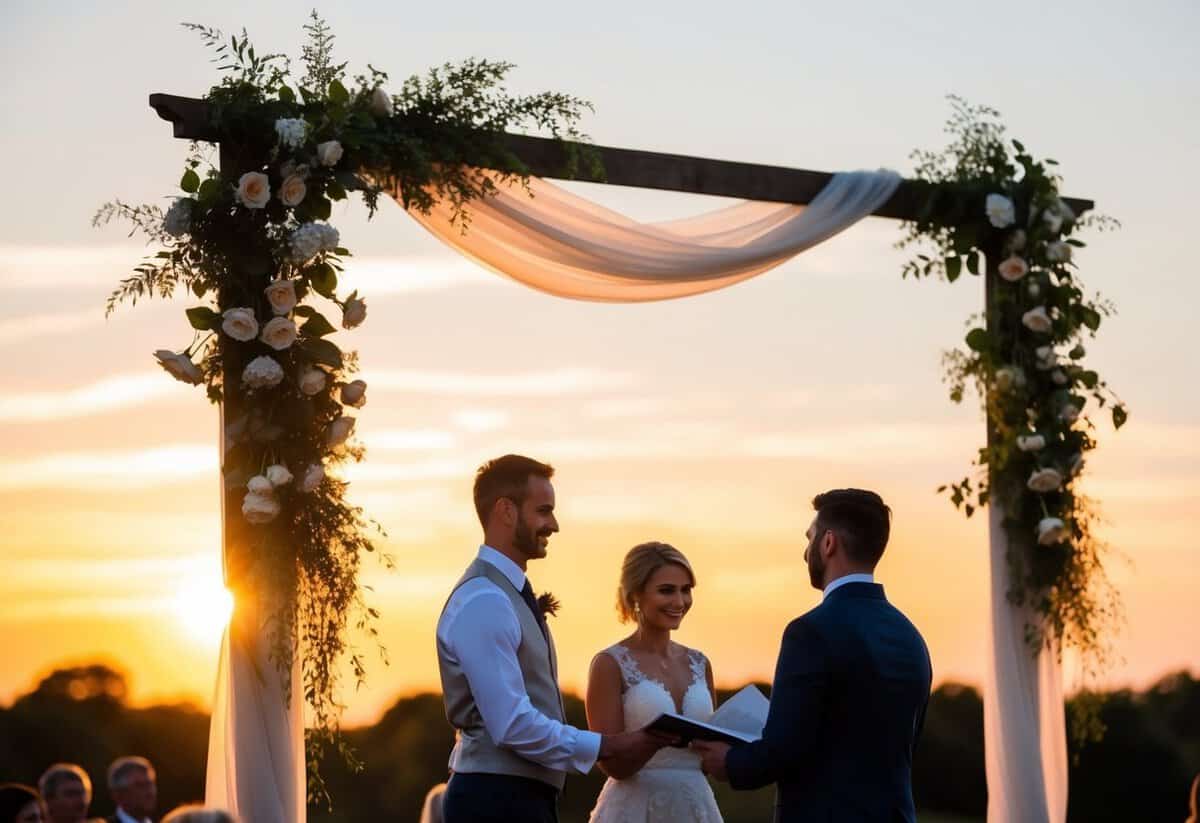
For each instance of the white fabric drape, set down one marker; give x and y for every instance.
(256, 764)
(565, 245)
(1024, 718)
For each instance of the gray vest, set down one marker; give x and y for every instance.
(476, 752)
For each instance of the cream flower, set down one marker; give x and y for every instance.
(279, 333)
(314, 476)
(329, 153)
(278, 475)
(179, 366)
(381, 102)
(292, 191)
(355, 394)
(281, 294)
(1045, 480)
(1046, 358)
(1031, 442)
(254, 190)
(262, 373)
(354, 312)
(1013, 269)
(1037, 320)
(240, 324)
(1000, 211)
(259, 484)
(1050, 530)
(1069, 413)
(291, 131)
(1058, 252)
(260, 508)
(339, 431)
(312, 381)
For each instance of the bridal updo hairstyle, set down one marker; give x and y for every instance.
(640, 564)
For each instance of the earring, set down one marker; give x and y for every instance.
(637, 611)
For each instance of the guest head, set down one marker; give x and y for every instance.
(515, 504)
(656, 586)
(20, 804)
(195, 813)
(133, 786)
(67, 792)
(847, 535)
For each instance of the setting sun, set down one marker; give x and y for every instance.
(202, 605)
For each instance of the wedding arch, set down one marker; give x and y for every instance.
(251, 238)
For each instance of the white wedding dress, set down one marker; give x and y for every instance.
(670, 788)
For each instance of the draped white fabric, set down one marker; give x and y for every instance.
(562, 244)
(1025, 736)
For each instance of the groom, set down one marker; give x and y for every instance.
(499, 669)
(851, 685)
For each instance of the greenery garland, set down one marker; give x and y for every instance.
(257, 247)
(988, 197)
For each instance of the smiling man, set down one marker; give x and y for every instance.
(134, 788)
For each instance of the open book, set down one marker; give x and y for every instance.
(740, 719)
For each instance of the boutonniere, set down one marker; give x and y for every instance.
(547, 604)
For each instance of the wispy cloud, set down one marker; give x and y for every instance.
(98, 470)
(523, 384)
(410, 440)
(121, 391)
(16, 330)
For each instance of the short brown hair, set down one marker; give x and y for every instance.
(861, 519)
(506, 476)
(641, 562)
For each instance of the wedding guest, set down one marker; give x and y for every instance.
(132, 784)
(67, 792)
(195, 813)
(20, 804)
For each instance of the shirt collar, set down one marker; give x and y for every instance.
(125, 817)
(843, 580)
(508, 568)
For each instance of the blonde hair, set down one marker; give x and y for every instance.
(641, 562)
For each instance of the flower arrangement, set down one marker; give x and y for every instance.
(251, 240)
(988, 197)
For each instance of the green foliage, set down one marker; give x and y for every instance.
(231, 236)
(986, 197)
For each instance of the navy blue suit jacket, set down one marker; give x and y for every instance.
(847, 706)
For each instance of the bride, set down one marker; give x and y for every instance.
(643, 676)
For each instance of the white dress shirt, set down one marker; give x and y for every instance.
(481, 633)
(844, 579)
(125, 817)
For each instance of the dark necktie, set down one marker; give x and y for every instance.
(531, 602)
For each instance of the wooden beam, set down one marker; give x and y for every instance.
(630, 167)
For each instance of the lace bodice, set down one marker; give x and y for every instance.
(646, 697)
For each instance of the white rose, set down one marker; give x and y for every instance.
(314, 476)
(278, 475)
(1037, 320)
(305, 242)
(259, 484)
(329, 153)
(179, 366)
(381, 102)
(291, 131)
(1046, 358)
(281, 294)
(1013, 269)
(355, 394)
(292, 191)
(1000, 211)
(1005, 378)
(260, 508)
(262, 373)
(312, 381)
(279, 333)
(178, 218)
(1069, 413)
(1031, 442)
(339, 431)
(1045, 480)
(1050, 530)
(354, 312)
(1059, 377)
(254, 190)
(1052, 219)
(1058, 252)
(240, 324)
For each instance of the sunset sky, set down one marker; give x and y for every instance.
(707, 422)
